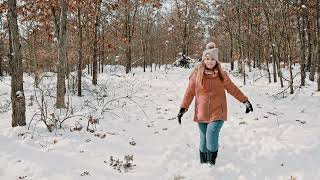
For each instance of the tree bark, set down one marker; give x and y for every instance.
(290, 65)
(231, 45)
(61, 86)
(301, 28)
(309, 56)
(17, 92)
(272, 45)
(318, 44)
(79, 51)
(128, 50)
(314, 56)
(288, 47)
(1, 54)
(239, 38)
(102, 60)
(95, 46)
(1, 49)
(129, 21)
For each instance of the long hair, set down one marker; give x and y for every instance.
(199, 70)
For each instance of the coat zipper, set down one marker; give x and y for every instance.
(210, 89)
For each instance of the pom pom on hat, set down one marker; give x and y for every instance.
(211, 45)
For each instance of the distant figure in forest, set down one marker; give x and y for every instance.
(184, 62)
(207, 83)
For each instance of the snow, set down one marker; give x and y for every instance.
(19, 94)
(279, 140)
(171, 28)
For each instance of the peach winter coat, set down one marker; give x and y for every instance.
(210, 101)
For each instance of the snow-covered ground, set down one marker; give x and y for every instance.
(136, 114)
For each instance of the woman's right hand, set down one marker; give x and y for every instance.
(180, 114)
(248, 106)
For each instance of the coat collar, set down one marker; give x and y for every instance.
(211, 73)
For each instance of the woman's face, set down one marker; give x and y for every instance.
(209, 61)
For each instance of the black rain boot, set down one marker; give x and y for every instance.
(212, 157)
(203, 157)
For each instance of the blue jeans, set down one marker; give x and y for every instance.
(209, 136)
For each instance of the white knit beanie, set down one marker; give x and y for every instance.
(212, 50)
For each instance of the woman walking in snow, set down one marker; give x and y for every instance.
(207, 83)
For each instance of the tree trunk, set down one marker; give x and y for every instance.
(272, 45)
(88, 66)
(1, 49)
(128, 37)
(318, 44)
(290, 66)
(144, 56)
(61, 86)
(185, 32)
(99, 58)
(301, 28)
(288, 48)
(260, 50)
(314, 56)
(1, 55)
(102, 60)
(56, 16)
(95, 45)
(308, 66)
(279, 70)
(17, 92)
(244, 72)
(35, 68)
(267, 68)
(1, 71)
(128, 55)
(273, 61)
(231, 50)
(79, 51)
(239, 38)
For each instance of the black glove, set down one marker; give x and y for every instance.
(248, 106)
(180, 114)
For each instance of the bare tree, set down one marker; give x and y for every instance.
(79, 49)
(1, 55)
(62, 56)
(302, 35)
(95, 44)
(17, 92)
(318, 37)
(1, 46)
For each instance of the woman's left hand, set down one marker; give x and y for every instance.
(181, 112)
(248, 106)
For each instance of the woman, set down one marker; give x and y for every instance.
(208, 83)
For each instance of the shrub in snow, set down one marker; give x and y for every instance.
(133, 143)
(85, 173)
(178, 177)
(122, 166)
(93, 121)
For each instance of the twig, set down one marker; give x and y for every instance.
(282, 92)
(111, 113)
(297, 92)
(130, 98)
(32, 119)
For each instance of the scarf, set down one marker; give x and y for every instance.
(212, 73)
